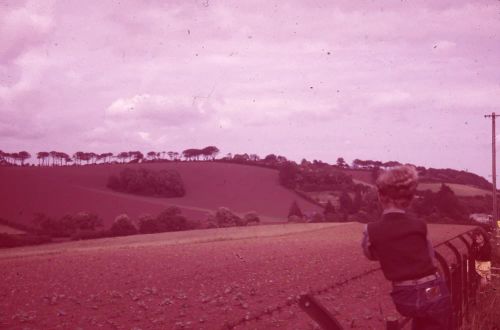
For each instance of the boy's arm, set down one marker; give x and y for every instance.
(365, 243)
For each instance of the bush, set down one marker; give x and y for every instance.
(86, 221)
(169, 220)
(165, 183)
(251, 217)
(66, 226)
(211, 222)
(225, 218)
(123, 226)
(329, 208)
(148, 224)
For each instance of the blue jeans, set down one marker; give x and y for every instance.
(428, 304)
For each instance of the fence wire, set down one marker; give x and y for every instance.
(292, 301)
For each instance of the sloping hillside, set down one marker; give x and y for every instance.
(61, 190)
(461, 190)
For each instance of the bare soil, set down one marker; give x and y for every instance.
(170, 281)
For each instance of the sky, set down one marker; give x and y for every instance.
(384, 80)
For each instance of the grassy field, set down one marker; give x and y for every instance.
(459, 189)
(57, 191)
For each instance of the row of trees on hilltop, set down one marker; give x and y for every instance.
(14, 157)
(206, 153)
(58, 158)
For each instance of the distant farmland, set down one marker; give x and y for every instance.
(57, 191)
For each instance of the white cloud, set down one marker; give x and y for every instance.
(163, 110)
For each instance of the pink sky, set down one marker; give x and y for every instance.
(383, 80)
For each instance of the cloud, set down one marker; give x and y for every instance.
(23, 28)
(159, 109)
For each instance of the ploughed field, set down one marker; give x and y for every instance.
(57, 191)
(199, 279)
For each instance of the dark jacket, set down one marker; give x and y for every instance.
(400, 243)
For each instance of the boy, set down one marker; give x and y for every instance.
(399, 242)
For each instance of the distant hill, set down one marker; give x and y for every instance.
(464, 184)
(57, 191)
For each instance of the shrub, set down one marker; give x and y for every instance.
(329, 208)
(211, 222)
(86, 221)
(171, 220)
(252, 217)
(165, 183)
(225, 218)
(67, 225)
(122, 226)
(148, 224)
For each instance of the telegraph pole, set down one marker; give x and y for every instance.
(494, 168)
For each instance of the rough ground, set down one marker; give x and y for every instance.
(171, 281)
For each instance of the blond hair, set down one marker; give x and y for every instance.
(398, 185)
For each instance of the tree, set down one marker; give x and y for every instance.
(123, 226)
(171, 155)
(271, 158)
(166, 183)
(251, 217)
(287, 175)
(345, 202)
(329, 208)
(87, 221)
(225, 218)
(42, 155)
(151, 155)
(295, 210)
(254, 157)
(122, 155)
(171, 219)
(357, 201)
(424, 204)
(192, 154)
(78, 157)
(23, 155)
(341, 162)
(148, 225)
(14, 156)
(448, 204)
(210, 151)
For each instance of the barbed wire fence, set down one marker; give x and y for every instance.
(292, 301)
(295, 300)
